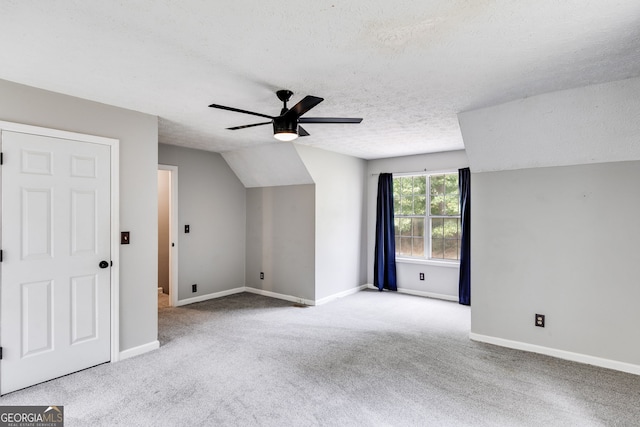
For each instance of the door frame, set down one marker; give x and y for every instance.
(173, 233)
(114, 145)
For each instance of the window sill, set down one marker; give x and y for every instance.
(449, 264)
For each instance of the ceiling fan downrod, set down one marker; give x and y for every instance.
(284, 95)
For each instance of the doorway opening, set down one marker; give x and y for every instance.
(167, 236)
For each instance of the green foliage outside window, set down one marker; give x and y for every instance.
(445, 199)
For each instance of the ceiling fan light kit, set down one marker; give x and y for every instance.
(286, 126)
(285, 136)
(285, 130)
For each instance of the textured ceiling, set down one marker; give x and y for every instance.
(406, 67)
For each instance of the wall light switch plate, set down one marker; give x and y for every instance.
(124, 238)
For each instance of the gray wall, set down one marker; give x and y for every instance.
(340, 227)
(552, 238)
(138, 135)
(560, 241)
(439, 280)
(281, 239)
(211, 200)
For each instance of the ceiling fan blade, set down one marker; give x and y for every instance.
(329, 120)
(237, 110)
(307, 103)
(249, 126)
(302, 132)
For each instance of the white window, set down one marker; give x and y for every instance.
(427, 216)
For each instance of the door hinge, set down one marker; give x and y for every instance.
(0, 255)
(1, 158)
(0, 353)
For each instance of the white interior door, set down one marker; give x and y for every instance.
(55, 297)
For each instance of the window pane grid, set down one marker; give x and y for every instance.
(441, 239)
(409, 233)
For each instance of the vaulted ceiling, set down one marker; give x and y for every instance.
(407, 67)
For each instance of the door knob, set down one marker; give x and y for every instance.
(103, 264)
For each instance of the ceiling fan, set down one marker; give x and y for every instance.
(286, 126)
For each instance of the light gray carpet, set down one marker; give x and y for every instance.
(370, 359)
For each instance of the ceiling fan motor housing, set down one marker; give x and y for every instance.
(285, 125)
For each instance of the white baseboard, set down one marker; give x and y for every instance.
(304, 301)
(422, 294)
(428, 294)
(279, 296)
(340, 295)
(560, 354)
(210, 296)
(141, 349)
(270, 294)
